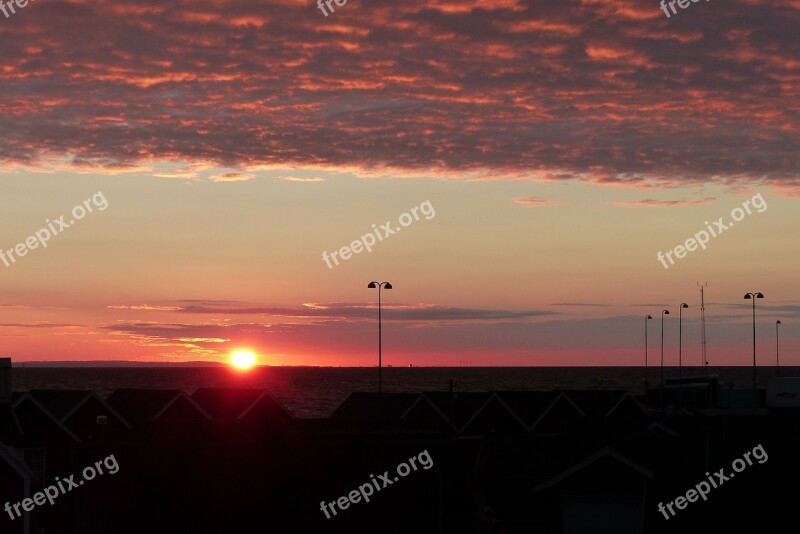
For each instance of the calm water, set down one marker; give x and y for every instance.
(316, 392)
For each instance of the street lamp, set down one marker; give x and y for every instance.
(379, 285)
(663, 313)
(680, 351)
(661, 386)
(753, 297)
(646, 318)
(680, 339)
(777, 349)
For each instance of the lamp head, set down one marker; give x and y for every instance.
(778, 322)
(747, 296)
(665, 312)
(759, 295)
(684, 305)
(371, 285)
(648, 317)
(387, 286)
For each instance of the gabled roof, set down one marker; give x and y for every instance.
(422, 401)
(627, 397)
(560, 397)
(599, 455)
(658, 427)
(269, 403)
(63, 403)
(12, 458)
(228, 404)
(27, 397)
(144, 405)
(495, 399)
(458, 407)
(529, 405)
(60, 402)
(536, 457)
(9, 425)
(650, 445)
(600, 403)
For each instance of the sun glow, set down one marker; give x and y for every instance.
(243, 359)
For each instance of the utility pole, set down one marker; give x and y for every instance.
(703, 326)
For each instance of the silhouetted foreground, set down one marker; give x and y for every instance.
(236, 461)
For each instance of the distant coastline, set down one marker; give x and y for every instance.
(116, 363)
(128, 363)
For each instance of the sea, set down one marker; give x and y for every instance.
(318, 391)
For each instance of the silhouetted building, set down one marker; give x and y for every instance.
(236, 460)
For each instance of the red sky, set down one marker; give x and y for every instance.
(562, 145)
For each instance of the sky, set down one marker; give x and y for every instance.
(179, 180)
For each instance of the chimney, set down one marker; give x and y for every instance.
(5, 379)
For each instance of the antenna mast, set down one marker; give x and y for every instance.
(703, 326)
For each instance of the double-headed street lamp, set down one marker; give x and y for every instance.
(646, 318)
(777, 349)
(680, 339)
(379, 285)
(753, 297)
(663, 313)
(680, 351)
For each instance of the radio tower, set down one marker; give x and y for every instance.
(703, 326)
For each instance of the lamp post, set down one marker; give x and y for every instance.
(777, 350)
(379, 285)
(663, 313)
(680, 351)
(753, 297)
(646, 318)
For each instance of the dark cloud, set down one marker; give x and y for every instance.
(41, 325)
(784, 310)
(652, 203)
(357, 337)
(578, 89)
(392, 312)
(579, 304)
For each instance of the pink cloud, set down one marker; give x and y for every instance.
(613, 94)
(653, 203)
(531, 202)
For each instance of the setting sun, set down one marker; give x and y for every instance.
(243, 359)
